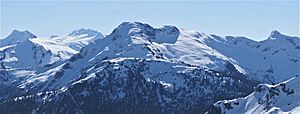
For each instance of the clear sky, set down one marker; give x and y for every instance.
(253, 19)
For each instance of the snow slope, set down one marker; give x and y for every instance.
(190, 49)
(282, 98)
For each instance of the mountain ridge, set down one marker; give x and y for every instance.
(137, 60)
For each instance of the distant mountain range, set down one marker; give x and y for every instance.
(141, 69)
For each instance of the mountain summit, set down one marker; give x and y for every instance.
(17, 37)
(276, 35)
(86, 32)
(165, 34)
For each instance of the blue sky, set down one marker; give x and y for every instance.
(253, 19)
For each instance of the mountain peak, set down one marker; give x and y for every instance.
(83, 31)
(133, 24)
(275, 34)
(17, 37)
(144, 26)
(164, 34)
(128, 29)
(128, 26)
(22, 33)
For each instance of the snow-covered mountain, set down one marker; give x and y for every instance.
(16, 37)
(78, 38)
(28, 56)
(25, 50)
(266, 99)
(164, 70)
(31, 53)
(267, 60)
(139, 40)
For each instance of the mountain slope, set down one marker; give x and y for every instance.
(266, 99)
(139, 83)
